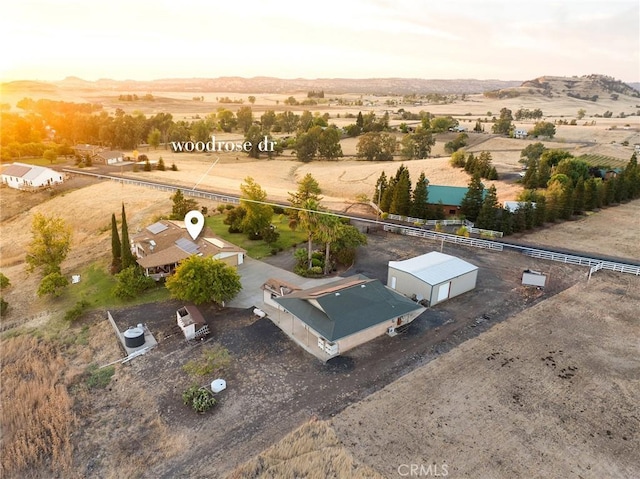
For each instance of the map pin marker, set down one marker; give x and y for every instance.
(194, 229)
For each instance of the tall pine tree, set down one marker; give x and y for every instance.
(116, 247)
(488, 216)
(472, 201)
(401, 200)
(419, 207)
(127, 256)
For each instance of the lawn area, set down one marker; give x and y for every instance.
(96, 285)
(258, 249)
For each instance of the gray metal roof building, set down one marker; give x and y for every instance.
(434, 277)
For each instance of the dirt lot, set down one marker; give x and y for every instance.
(552, 392)
(274, 386)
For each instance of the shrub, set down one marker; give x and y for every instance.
(3, 306)
(462, 231)
(317, 262)
(212, 360)
(200, 399)
(316, 270)
(75, 312)
(99, 378)
(174, 167)
(4, 281)
(130, 282)
(52, 284)
(278, 210)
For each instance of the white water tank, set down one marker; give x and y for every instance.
(218, 385)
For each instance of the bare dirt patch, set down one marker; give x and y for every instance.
(551, 391)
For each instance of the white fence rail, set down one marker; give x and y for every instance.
(447, 238)
(156, 186)
(594, 264)
(468, 224)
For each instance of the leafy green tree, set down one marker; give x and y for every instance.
(579, 197)
(116, 247)
(346, 243)
(308, 188)
(460, 141)
(201, 279)
(473, 199)
(581, 113)
(244, 118)
(503, 125)
(419, 203)
(574, 169)
(307, 144)
(131, 282)
(543, 128)
(530, 180)
(50, 155)
(252, 99)
(254, 135)
(50, 244)
(52, 284)
(161, 165)
(181, 205)
(554, 156)
(226, 120)
(127, 256)
(417, 144)
(532, 152)
(258, 216)
(458, 159)
(287, 121)
(442, 123)
(375, 146)
(329, 144)
(154, 138)
(201, 130)
(488, 216)
(591, 195)
(268, 120)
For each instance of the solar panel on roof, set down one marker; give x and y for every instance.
(156, 228)
(187, 245)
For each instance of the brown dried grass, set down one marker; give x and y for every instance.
(37, 419)
(311, 451)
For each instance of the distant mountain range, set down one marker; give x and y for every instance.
(381, 86)
(571, 86)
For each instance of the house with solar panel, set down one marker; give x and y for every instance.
(29, 177)
(331, 319)
(160, 247)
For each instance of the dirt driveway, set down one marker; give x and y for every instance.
(274, 386)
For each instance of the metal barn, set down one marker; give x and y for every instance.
(433, 277)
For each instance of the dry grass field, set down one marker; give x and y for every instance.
(37, 420)
(613, 232)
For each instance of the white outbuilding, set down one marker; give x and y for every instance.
(22, 176)
(433, 277)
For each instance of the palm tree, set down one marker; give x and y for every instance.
(308, 219)
(328, 228)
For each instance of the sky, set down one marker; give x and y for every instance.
(431, 39)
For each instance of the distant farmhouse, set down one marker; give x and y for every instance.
(330, 319)
(160, 247)
(108, 157)
(449, 196)
(25, 177)
(99, 154)
(520, 133)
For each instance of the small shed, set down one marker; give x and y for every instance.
(192, 322)
(433, 277)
